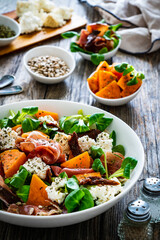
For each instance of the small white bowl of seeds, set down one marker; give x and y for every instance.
(49, 64)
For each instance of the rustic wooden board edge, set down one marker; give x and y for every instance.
(26, 40)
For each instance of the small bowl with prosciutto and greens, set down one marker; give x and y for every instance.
(98, 42)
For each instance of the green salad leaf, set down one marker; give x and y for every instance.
(30, 124)
(119, 148)
(96, 58)
(86, 201)
(128, 164)
(72, 184)
(115, 27)
(23, 192)
(63, 175)
(103, 50)
(69, 34)
(97, 166)
(74, 47)
(48, 130)
(113, 136)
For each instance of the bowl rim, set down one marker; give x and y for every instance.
(14, 22)
(105, 54)
(48, 78)
(79, 213)
(127, 98)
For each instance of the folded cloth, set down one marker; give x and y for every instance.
(141, 22)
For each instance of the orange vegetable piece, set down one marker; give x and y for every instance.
(86, 175)
(131, 89)
(42, 113)
(11, 161)
(113, 70)
(123, 81)
(97, 27)
(112, 90)
(81, 161)
(94, 74)
(93, 84)
(105, 78)
(35, 135)
(103, 66)
(37, 193)
(16, 127)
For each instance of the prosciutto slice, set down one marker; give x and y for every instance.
(70, 171)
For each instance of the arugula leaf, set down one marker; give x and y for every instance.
(115, 27)
(95, 118)
(119, 148)
(69, 34)
(133, 81)
(113, 136)
(72, 184)
(96, 58)
(30, 124)
(74, 47)
(128, 164)
(121, 67)
(103, 123)
(97, 166)
(103, 50)
(87, 200)
(23, 192)
(72, 201)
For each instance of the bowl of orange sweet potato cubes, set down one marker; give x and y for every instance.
(115, 84)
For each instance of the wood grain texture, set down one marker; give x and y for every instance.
(25, 40)
(142, 114)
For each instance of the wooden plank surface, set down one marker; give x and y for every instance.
(142, 114)
(25, 40)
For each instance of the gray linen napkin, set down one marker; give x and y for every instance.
(140, 19)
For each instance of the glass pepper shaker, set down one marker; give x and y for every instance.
(150, 193)
(135, 224)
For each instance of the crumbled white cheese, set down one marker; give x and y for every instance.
(48, 119)
(37, 166)
(46, 5)
(54, 191)
(30, 23)
(63, 139)
(7, 138)
(65, 12)
(54, 20)
(86, 143)
(102, 194)
(104, 141)
(26, 6)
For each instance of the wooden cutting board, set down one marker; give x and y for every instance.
(29, 39)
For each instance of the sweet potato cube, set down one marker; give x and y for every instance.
(42, 113)
(81, 161)
(131, 89)
(112, 90)
(11, 161)
(105, 78)
(103, 66)
(93, 84)
(123, 81)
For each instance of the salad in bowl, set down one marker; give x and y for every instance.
(97, 42)
(57, 164)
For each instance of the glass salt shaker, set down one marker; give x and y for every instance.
(150, 193)
(135, 224)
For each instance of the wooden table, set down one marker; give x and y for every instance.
(142, 114)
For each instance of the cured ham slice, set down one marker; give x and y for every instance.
(70, 172)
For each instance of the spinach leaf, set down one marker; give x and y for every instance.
(115, 27)
(103, 123)
(63, 175)
(128, 70)
(23, 192)
(30, 110)
(128, 164)
(113, 136)
(72, 201)
(96, 152)
(121, 67)
(72, 184)
(18, 179)
(103, 50)
(87, 200)
(95, 118)
(74, 47)
(96, 58)
(69, 34)
(133, 81)
(30, 124)
(97, 166)
(119, 148)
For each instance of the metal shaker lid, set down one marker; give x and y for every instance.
(151, 186)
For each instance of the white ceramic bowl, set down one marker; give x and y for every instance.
(125, 136)
(6, 21)
(114, 102)
(106, 55)
(50, 51)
